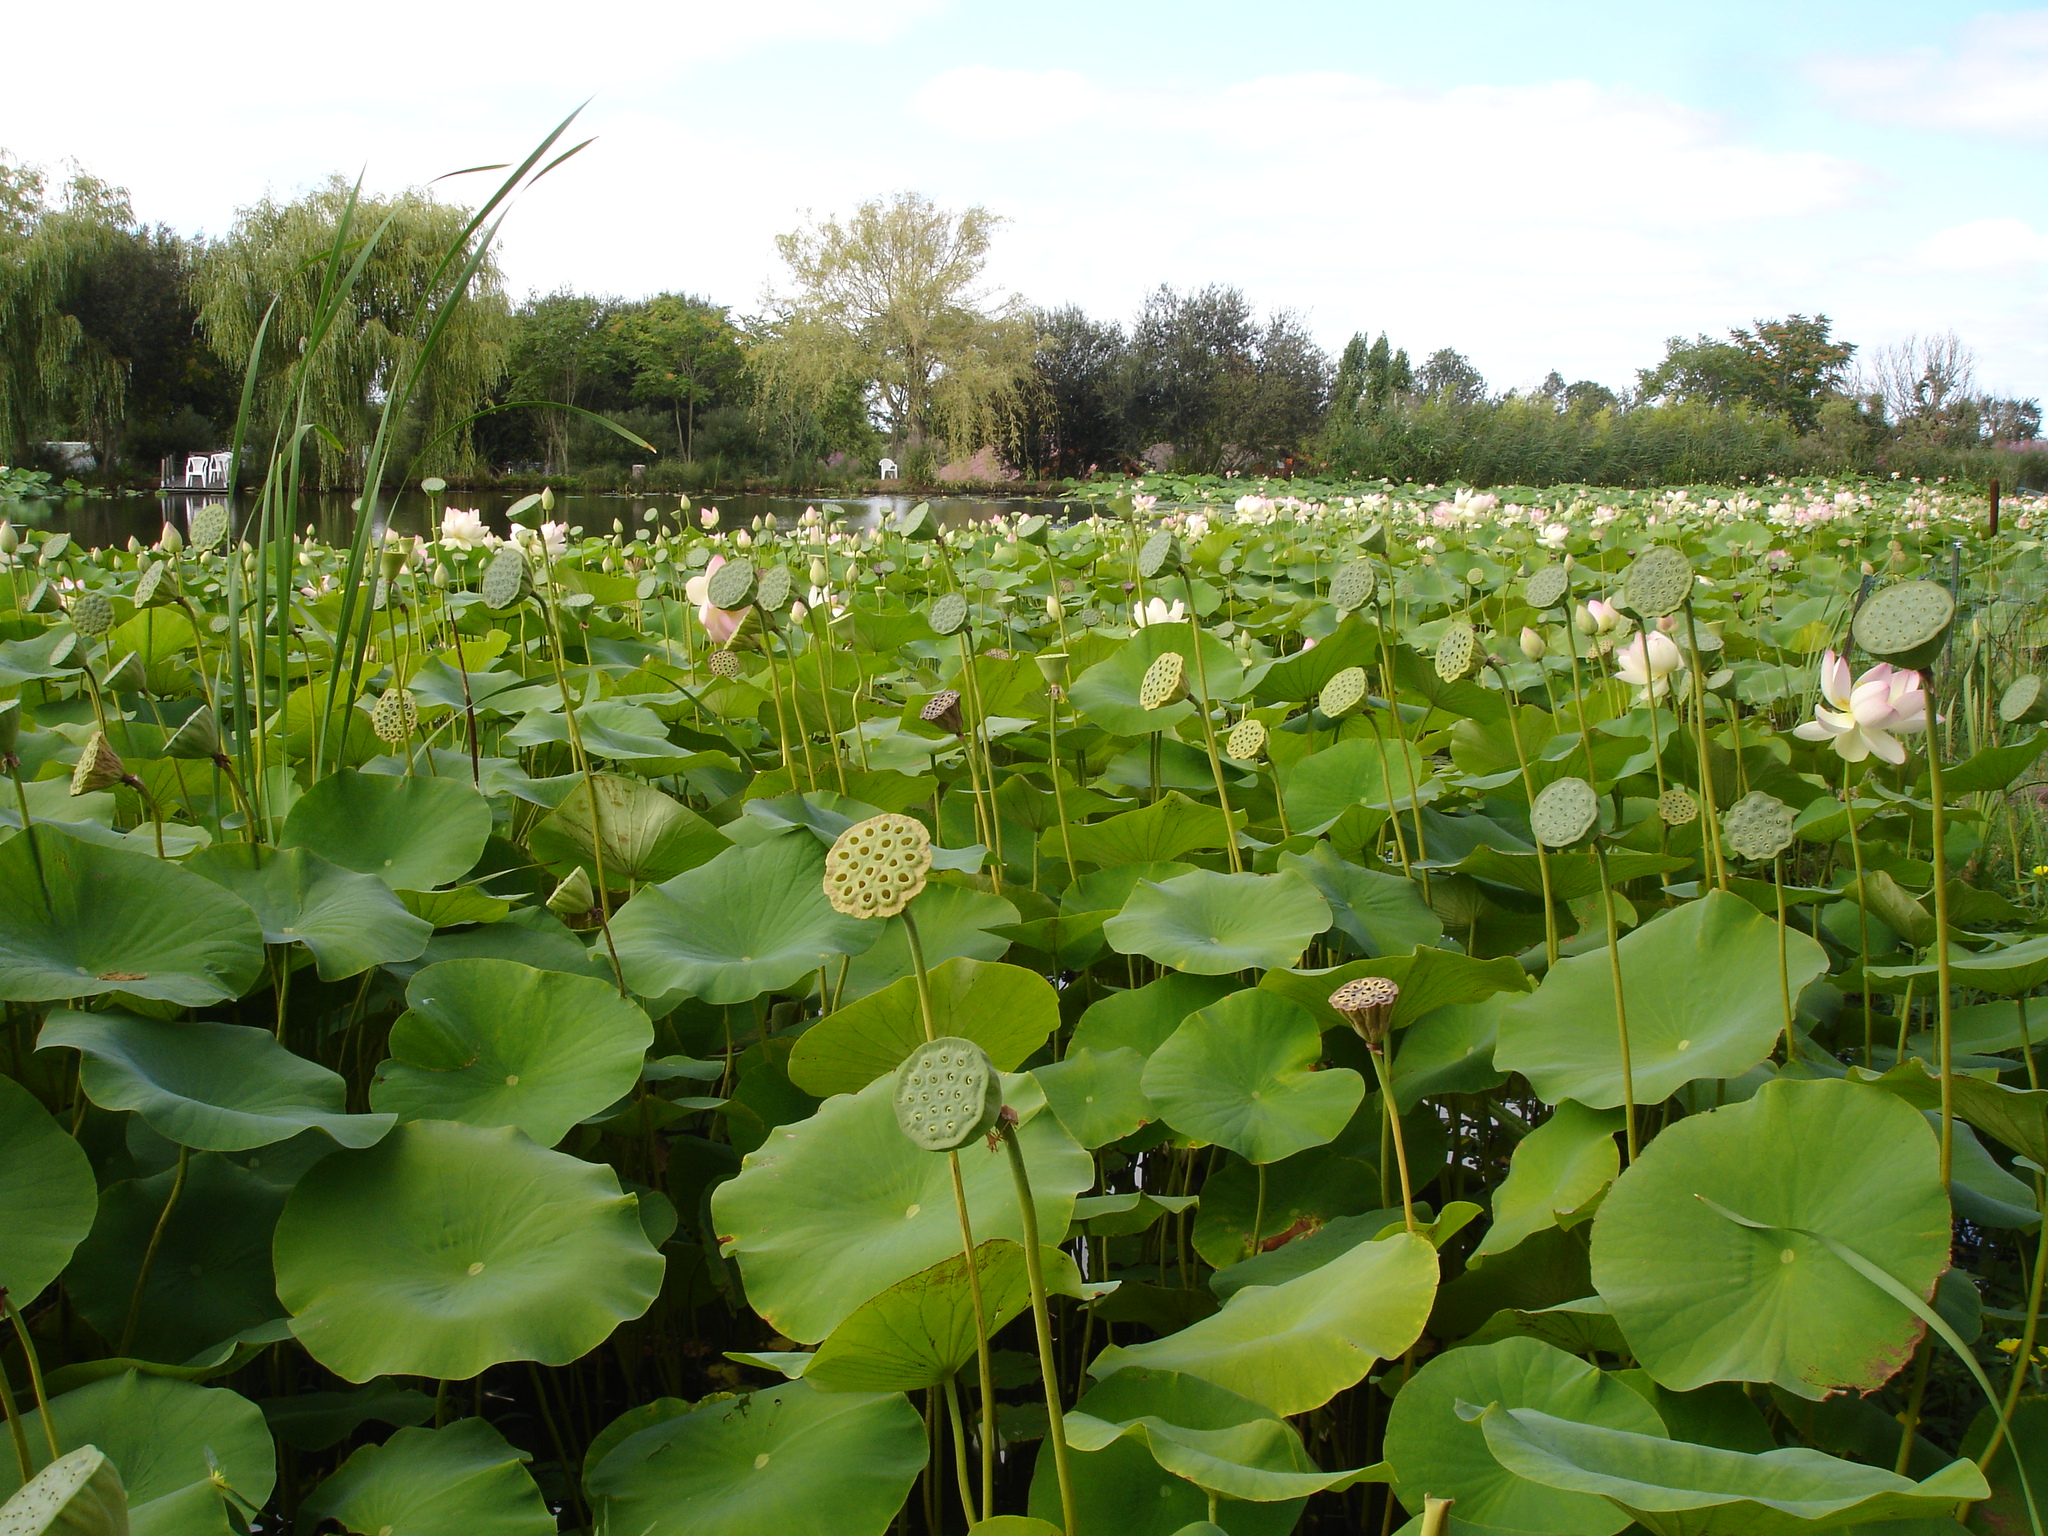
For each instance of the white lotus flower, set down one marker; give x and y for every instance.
(1157, 612)
(1647, 662)
(464, 529)
(1869, 715)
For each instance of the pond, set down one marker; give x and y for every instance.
(102, 521)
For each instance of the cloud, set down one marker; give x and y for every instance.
(980, 102)
(1994, 80)
(1984, 245)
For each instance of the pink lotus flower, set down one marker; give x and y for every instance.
(1869, 715)
(720, 624)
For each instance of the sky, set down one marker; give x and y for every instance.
(1562, 185)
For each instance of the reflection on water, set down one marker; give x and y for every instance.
(100, 521)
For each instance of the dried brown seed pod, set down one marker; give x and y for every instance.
(1367, 1003)
(943, 710)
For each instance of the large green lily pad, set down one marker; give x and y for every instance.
(833, 1210)
(1701, 1297)
(494, 1042)
(211, 1087)
(449, 1248)
(920, 1331)
(1433, 1450)
(1212, 924)
(789, 1458)
(1701, 989)
(115, 921)
(1006, 1010)
(459, 1480)
(1558, 1168)
(1241, 1074)
(752, 920)
(642, 834)
(413, 833)
(349, 921)
(48, 1196)
(1296, 1345)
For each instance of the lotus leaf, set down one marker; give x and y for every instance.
(833, 1210)
(1241, 1074)
(953, 922)
(752, 920)
(1563, 1037)
(920, 1332)
(411, 833)
(1108, 692)
(115, 921)
(1432, 1449)
(494, 1042)
(349, 921)
(47, 1194)
(788, 1458)
(1368, 771)
(1703, 1298)
(448, 1248)
(1558, 1168)
(643, 835)
(1099, 1097)
(1006, 1010)
(211, 1087)
(78, 1494)
(1212, 924)
(459, 1480)
(1296, 1345)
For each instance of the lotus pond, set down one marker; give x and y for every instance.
(1379, 1011)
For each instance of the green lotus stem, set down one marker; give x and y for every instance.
(2022, 1355)
(1784, 973)
(35, 1370)
(983, 1360)
(1041, 1317)
(2027, 1041)
(1945, 999)
(1393, 1118)
(547, 1413)
(1862, 909)
(1529, 789)
(1259, 1211)
(1059, 795)
(1209, 731)
(156, 1238)
(1436, 1514)
(960, 1476)
(1909, 1421)
(823, 643)
(14, 1429)
(28, 828)
(1699, 708)
(1628, 1075)
(1211, 1492)
(1393, 815)
(582, 758)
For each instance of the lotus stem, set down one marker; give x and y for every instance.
(1386, 1077)
(1945, 997)
(1862, 909)
(14, 1429)
(1784, 972)
(1529, 789)
(1715, 862)
(960, 1476)
(156, 1238)
(1209, 730)
(1041, 1317)
(1258, 1212)
(1628, 1076)
(35, 1370)
(1059, 794)
(2022, 1355)
(1436, 1514)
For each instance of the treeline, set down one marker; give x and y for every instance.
(882, 343)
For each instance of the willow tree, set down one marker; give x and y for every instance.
(55, 376)
(285, 253)
(893, 297)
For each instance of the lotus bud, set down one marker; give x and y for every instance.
(547, 498)
(10, 541)
(134, 545)
(744, 539)
(1533, 644)
(821, 573)
(1367, 1004)
(574, 896)
(707, 518)
(1583, 620)
(1052, 606)
(943, 710)
(10, 733)
(170, 541)
(617, 526)
(878, 866)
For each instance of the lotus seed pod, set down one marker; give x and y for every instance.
(394, 716)
(1246, 741)
(773, 588)
(948, 1093)
(126, 675)
(1564, 811)
(943, 710)
(1367, 1003)
(1458, 655)
(948, 613)
(197, 740)
(1546, 588)
(1091, 617)
(1352, 586)
(574, 896)
(209, 527)
(1534, 646)
(1342, 694)
(1165, 681)
(1676, 807)
(731, 586)
(1906, 623)
(2025, 700)
(878, 866)
(91, 614)
(78, 1494)
(10, 733)
(1053, 667)
(1758, 826)
(99, 766)
(1658, 581)
(146, 588)
(724, 664)
(507, 581)
(1159, 555)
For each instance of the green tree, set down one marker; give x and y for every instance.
(284, 252)
(893, 297)
(682, 353)
(1789, 366)
(557, 345)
